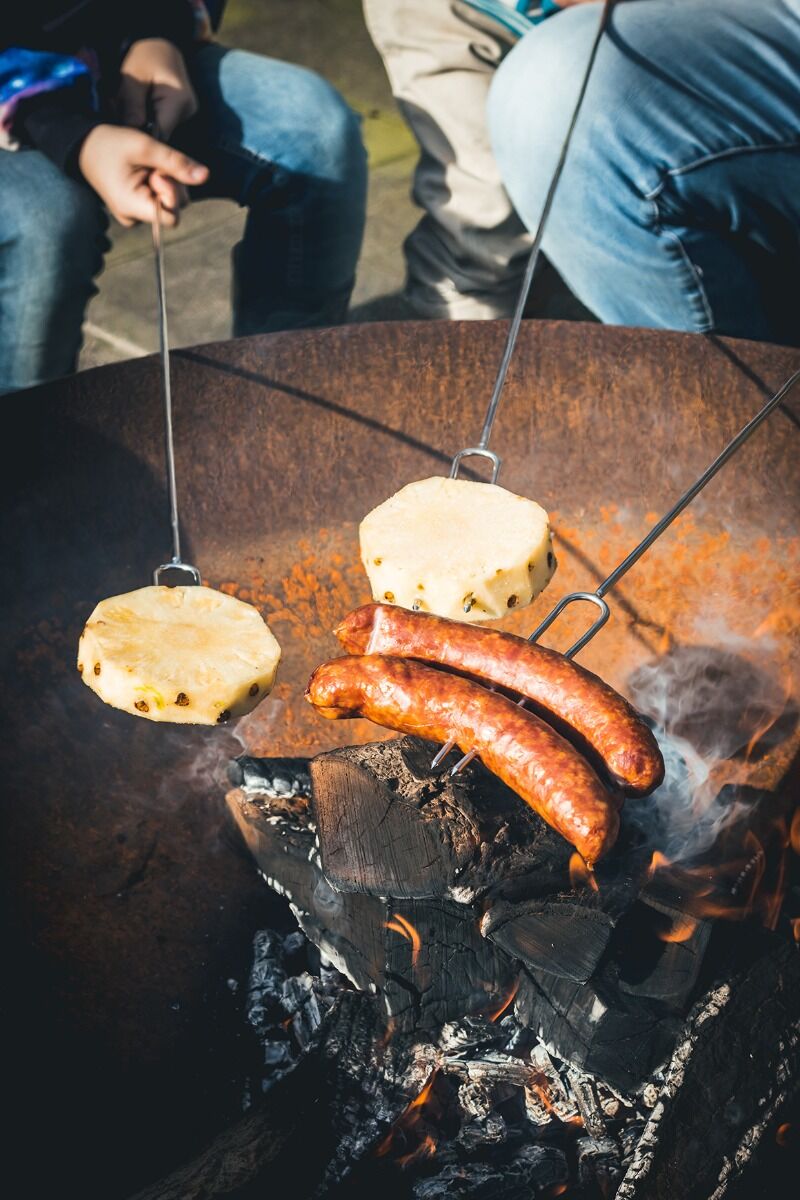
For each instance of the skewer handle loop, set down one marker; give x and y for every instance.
(177, 565)
(478, 452)
(595, 627)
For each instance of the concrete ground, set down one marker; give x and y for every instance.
(330, 37)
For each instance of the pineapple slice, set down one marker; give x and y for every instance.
(181, 654)
(470, 551)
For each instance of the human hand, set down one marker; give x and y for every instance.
(128, 169)
(154, 86)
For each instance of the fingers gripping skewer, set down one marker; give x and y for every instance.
(597, 597)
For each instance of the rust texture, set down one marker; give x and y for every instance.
(129, 907)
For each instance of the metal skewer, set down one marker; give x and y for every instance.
(481, 450)
(176, 563)
(597, 597)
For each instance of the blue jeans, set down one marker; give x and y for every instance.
(277, 139)
(679, 206)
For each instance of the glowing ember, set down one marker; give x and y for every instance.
(538, 1084)
(581, 874)
(782, 1134)
(403, 926)
(507, 1002)
(795, 923)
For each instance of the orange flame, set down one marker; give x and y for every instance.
(406, 1123)
(736, 888)
(403, 926)
(664, 643)
(764, 728)
(794, 832)
(538, 1084)
(422, 1099)
(657, 863)
(426, 1149)
(680, 930)
(388, 1033)
(507, 1002)
(795, 923)
(782, 1134)
(581, 874)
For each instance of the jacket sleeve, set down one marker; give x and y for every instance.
(54, 106)
(47, 99)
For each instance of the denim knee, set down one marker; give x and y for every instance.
(530, 103)
(56, 225)
(333, 149)
(302, 123)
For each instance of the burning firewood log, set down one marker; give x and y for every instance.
(565, 936)
(388, 827)
(427, 959)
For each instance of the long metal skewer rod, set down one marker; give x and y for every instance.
(169, 442)
(597, 597)
(482, 448)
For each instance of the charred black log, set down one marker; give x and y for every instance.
(661, 952)
(451, 971)
(736, 1063)
(287, 778)
(349, 930)
(597, 1027)
(426, 958)
(315, 1122)
(388, 827)
(564, 935)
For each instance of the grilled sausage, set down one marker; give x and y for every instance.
(578, 703)
(544, 769)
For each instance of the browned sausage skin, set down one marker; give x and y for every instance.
(559, 690)
(541, 766)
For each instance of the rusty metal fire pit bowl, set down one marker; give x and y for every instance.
(130, 904)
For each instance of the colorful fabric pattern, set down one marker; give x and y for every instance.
(27, 73)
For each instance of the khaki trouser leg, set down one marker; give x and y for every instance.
(465, 257)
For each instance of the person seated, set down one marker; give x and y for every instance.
(679, 206)
(80, 85)
(465, 258)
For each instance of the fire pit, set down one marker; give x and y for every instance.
(133, 907)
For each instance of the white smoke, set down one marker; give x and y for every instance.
(708, 703)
